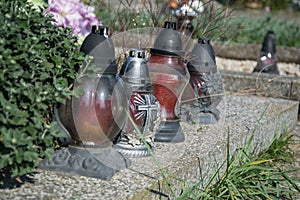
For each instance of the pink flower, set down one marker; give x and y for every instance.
(72, 13)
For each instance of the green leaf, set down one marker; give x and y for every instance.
(48, 153)
(30, 156)
(19, 156)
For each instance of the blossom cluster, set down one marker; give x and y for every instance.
(74, 14)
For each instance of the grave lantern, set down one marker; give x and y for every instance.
(169, 77)
(143, 107)
(267, 62)
(205, 90)
(93, 119)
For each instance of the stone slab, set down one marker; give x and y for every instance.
(261, 84)
(251, 52)
(295, 91)
(186, 163)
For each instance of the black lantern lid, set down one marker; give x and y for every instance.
(269, 43)
(168, 41)
(101, 47)
(202, 57)
(97, 35)
(134, 71)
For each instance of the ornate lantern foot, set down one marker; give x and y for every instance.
(190, 113)
(134, 150)
(169, 131)
(100, 163)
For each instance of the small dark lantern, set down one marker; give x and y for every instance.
(267, 62)
(205, 90)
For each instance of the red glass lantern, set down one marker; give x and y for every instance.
(169, 77)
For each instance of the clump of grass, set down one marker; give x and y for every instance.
(250, 176)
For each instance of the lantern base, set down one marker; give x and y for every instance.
(195, 114)
(100, 163)
(169, 131)
(130, 150)
(267, 66)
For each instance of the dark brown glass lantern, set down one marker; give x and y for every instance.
(205, 90)
(138, 133)
(169, 77)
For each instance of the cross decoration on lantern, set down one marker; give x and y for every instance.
(146, 106)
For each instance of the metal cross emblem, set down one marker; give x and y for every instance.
(146, 107)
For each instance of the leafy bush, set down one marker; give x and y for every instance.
(274, 4)
(277, 4)
(37, 64)
(254, 30)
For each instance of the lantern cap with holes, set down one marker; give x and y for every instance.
(168, 42)
(98, 45)
(202, 57)
(135, 72)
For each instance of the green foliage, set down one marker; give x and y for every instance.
(274, 4)
(249, 173)
(123, 17)
(217, 24)
(253, 30)
(277, 4)
(249, 176)
(37, 65)
(279, 150)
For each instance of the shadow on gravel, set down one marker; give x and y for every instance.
(7, 182)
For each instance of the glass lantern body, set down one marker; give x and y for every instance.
(89, 130)
(143, 110)
(96, 117)
(110, 105)
(92, 119)
(169, 78)
(138, 116)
